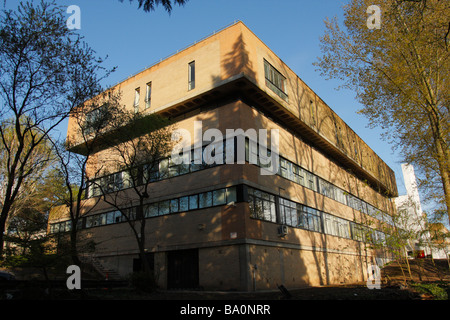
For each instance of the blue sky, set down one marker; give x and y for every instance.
(133, 39)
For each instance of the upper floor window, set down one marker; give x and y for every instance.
(275, 80)
(148, 95)
(191, 75)
(136, 100)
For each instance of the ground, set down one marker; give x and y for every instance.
(428, 280)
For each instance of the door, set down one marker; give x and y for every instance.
(182, 270)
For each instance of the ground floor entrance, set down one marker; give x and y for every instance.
(182, 269)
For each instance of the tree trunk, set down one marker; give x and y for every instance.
(443, 159)
(73, 247)
(141, 239)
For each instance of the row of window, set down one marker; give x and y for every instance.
(148, 86)
(166, 168)
(263, 207)
(202, 200)
(146, 173)
(275, 80)
(297, 174)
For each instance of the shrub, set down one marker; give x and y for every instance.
(436, 291)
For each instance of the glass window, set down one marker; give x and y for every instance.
(184, 204)
(219, 197)
(341, 196)
(136, 100)
(196, 153)
(117, 216)
(191, 75)
(131, 214)
(151, 210)
(231, 194)
(311, 181)
(205, 200)
(255, 209)
(301, 177)
(275, 78)
(193, 202)
(90, 221)
(253, 152)
(102, 219)
(164, 207)
(174, 205)
(163, 168)
(148, 95)
(301, 220)
(173, 169)
(151, 172)
(283, 166)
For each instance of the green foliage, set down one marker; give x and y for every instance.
(46, 70)
(400, 74)
(434, 289)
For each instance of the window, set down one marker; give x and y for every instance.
(96, 119)
(262, 205)
(326, 188)
(191, 75)
(313, 117)
(184, 204)
(275, 80)
(311, 181)
(151, 172)
(219, 197)
(117, 216)
(112, 182)
(164, 207)
(173, 205)
(193, 202)
(205, 200)
(288, 212)
(148, 95)
(136, 100)
(336, 226)
(151, 210)
(231, 194)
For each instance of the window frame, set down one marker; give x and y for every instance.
(191, 75)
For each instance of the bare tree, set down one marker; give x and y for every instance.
(89, 123)
(140, 151)
(46, 70)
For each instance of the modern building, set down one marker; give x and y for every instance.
(233, 225)
(429, 240)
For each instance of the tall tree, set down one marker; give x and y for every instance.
(45, 71)
(400, 73)
(89, 123)
(29, 220)
(140, 156)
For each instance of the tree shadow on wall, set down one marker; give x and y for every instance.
(236, 62)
